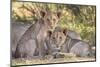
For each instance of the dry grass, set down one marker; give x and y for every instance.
(46, 61)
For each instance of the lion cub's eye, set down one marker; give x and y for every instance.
(47, 19)
(54, 19)
(53, 37)
(60, 37)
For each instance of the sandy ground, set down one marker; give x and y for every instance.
(50, 61)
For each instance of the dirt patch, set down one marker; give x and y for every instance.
(46, 61)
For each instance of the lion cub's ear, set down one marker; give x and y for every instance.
(49, 33)
(42, 13)
(65, 31)
(59, 14)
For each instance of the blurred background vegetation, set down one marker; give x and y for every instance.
(80, 18)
